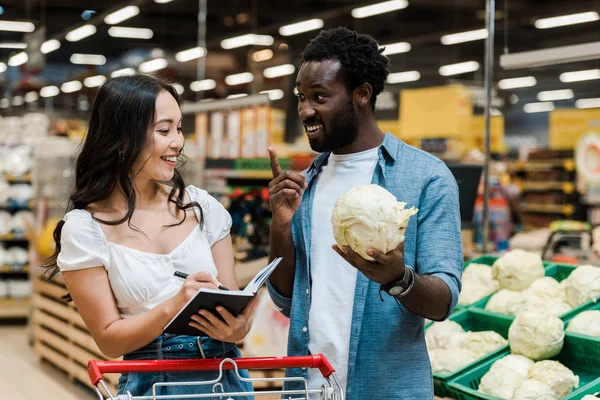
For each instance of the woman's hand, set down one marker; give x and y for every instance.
(232, 330)
(190, 288)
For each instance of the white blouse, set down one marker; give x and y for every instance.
(141, 280)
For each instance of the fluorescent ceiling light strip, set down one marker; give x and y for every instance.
(16, 26)
(121, 15)
(17, 46)
(71, 86)
(578, 76)
(262, 55)
(153, 65)
(301, 27)
(239, 79)
(275, 94)
(190, 54)
(50, 46)
(514, 83)
(247, 40)
(237, 96)
(80, 33)
(538, 107)
(550, 95)
(280, 70)
(206, 84)
(463, 37)
(395, 48)
(379, 8)
(88, 59)
(94, 81)
(18, 59)
(564, 20)
(401, 77)
(460, 68)
(49, 91)
(130, 33)
(122, 72)
(3, 67)
(588, 103)
(162, 1)
(31, 97)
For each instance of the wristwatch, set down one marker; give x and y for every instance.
(401, 287)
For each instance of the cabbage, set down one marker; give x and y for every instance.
(534, 390)
(477, 283)
(534, 303)
(500, 381)
(473, 291)
(479, 273)
(370, 217)
(439, 335)
(558, 377)
(536, 334)
(506, 302)
(482, 343)
(583, 285)
(547, 288)
(517, 269)
(448, 361)
(517, 363)
(589, 397)
(586, 323)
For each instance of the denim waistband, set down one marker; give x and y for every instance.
(168, 346)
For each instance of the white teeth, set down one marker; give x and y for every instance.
(313, 128)
(172, 159)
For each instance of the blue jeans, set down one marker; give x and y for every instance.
(169, 347)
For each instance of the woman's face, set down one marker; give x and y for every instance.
(166, 141)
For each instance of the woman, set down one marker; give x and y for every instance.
(132, 225)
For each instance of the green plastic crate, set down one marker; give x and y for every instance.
(582, 356)
(589, 306)
(474, 322)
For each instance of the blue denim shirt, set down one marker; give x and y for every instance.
(388, 358)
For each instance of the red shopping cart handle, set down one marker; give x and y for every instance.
(98, 367)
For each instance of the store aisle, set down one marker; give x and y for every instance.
(24, 377)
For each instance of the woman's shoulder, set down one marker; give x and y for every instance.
(198, 195)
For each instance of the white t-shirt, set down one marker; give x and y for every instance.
(141, 280)
(333, 279)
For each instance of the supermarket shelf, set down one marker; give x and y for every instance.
(9, 269)
(565, 209)
(240, 174)
(12, 308)
(566, 187)
(567, 164)
(17, 206)
(18, 178)
(11, 237)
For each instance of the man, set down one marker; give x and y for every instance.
(332, 295)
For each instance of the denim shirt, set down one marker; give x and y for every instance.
(388, 358)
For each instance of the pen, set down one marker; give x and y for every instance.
(183, 275)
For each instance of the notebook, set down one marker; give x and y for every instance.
(208, 299)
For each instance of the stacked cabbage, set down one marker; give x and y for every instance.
(477, 283)
(586, 323)
(536, 334)
(451, 348)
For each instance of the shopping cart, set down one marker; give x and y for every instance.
(331, 390)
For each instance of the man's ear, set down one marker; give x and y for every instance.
(362, 95)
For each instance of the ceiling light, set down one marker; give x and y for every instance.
(462, 37)
(18, 101)
(49, 46)
(18, 46)
(460, 68)
(190, 54)
(49, 91)
(513, 99)
(178, 88)
(15, 26)
(379, 8)
(395, 48)
(280, 70)
(94, 81)
(401, 77)
(514, 83)
(495, 112)
(4, 103)
(588, 103)
(121, 15)
(538, 107)
(153, 65)
(2, 67)
(563, 20)
(80, 33)
(122, 72)
(18, 59)
(550, 95)
(206, 84)
(275, 94)
(551, 56)
(162, 1)
(247, 40)
(262, 55)
(578, 76)
(88, 59)
(300, 27)
(130, 33)
(239, 79)
(70, 87)
(31, 97)
(237, 96)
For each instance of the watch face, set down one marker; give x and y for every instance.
(396, 290)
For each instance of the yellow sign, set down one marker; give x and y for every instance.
(569, 125)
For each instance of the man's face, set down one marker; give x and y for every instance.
(325, 106)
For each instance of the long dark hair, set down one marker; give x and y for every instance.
(118, 133)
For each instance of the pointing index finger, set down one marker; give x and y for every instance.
(275, 167)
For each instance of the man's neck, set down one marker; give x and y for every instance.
(369, 136)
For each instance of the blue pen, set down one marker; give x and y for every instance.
(183, 275)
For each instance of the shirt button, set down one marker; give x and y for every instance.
(167, 259)
(308, 292)
(305, 329)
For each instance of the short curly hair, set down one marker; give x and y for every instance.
(359, 55)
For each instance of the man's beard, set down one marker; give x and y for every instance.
(343, 132)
